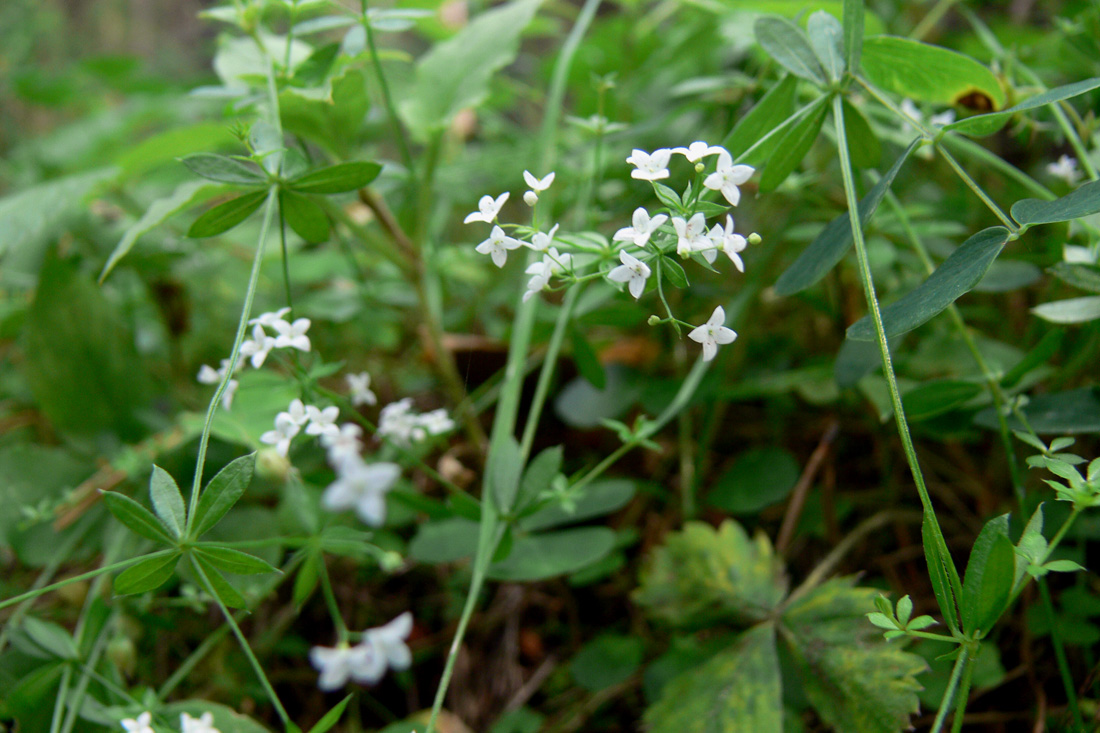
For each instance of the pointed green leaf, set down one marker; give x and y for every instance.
(738, 690)
(167, 500)
(938, 397)
(234, 561)
(1085, 277)
(223, 169)
(939, 574)
(671, 269)
(668, 197)
(229, 595)
(951, 280)
(505, 467)
(829, 247)
(765, 116)
(541, 556)
(537, 477)
(1072, 310)
(305, 217)
(1084, 201)
(990, 574)
(305, 582)
(793, 146)
(863, 145)
(827, 39)
(853, 33)
(332, 717)
(987, 124)
(787, 44)
(149, 574)
(337, 178)
(1062, 413)
(446, 540)
(50, 638)
(929, 73)
(224, 217)
(136, 517)
(222, 493)
(599, 498)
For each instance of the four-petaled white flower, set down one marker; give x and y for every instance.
(389, 642)
(650, 166)
(258, 347)
(643, 228)
(292, 335)
(692, 234)
(497, 246)
(359, 387)
(285, 430)
(437, 422)
(267, 320)
(141, 724)
(322, 422)
(337, 664)
(725, 240)
(1065, 168)
(541, 242)
(728, 177)
(538, 185)
(362, 486)
(699, 150)
(633, 271)
(343, 444)
(488, 208)
(712, 333)
(540, 273)
(202, 724)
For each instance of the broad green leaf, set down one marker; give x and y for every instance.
(541, 556)
(305, 217)
(224, 217)
(953, 278)
(1042, 352)
(599, 498)
(455, 74)
(1063, 413)
(758, 478)
(1085, 277)
(793, 146)
(829, 247)
(447, 540)
(136, 517)
(156, 214)
(1072, 310)
(938, 397)
(739, 690)
(334, 122)
(787, 44)
(223, 169)
(987, 124)
(766, 115)
(939, 575)
(50, 637)
(672, 269)
(229, 595)
(853, 33)
(332, 717)
(226, 720)
(170, 145)
(505, 466)
(703, 576)
(827, 40)
(1084, 201)
(222, 493)
(606, 661)
(538, 476)
(149, 574)
(863, 145)
(167, 501)
(234, 561)
(989, 577)
(338, 178)
(929, 73)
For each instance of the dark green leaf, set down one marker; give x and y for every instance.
(787, 44)
(988, 124)
(167, 501)
(1007, 275)
(149, 574)
(772, 109)
(599, 498)
(671, 269)
(305, 582)
(958, 274)
(224, 169)
(1072, 310)
(853, 33)
(793, 146)
(606, 661)
(541, 556)
(1084, 201)
(758, 478)
(234, 561)
(229, 595)
(1064, 413)
(939, 574)
(163, 147)
(588, 364)
(332, 717)
(827, 39)
(928, 73)
(538, 476)
(337, 178)
(829, 247)
(314, 70)
(222, 493)
(305, 217)
(938, 397)
(224, 217)
(863, 145)
(334, 123)
(447, 540)
(581, 405)
(1041, 353)
(1085, 277)
(137, 517)
(504, 469)
(990, 575)
(668, 197)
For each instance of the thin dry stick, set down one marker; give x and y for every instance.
(802, 488)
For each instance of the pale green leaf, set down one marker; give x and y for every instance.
(222, 493)
(766, 115)
(827, 39)
(1084, 201)
(990, 573)
(541, 556)
(167, 500)
(787, 44)
(929, 73)
(1072, 310)
(793, 146)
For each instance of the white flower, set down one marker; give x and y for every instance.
(268, 319)
(437, 422)
(632, 271)
(541, 242)
(650, 166)
(397, 423)
(728, 177)
(362, 486)
(337, 664)
(642, 230)
(712, 333)
(285, 430)
(692, 234)
(910, 110)
(943, 118)
(359, 387)
(292, 335)
(1065, 168)
(258, 347)
(322, 422)
(230, 390)
(208, 375)
(343, 444)
(141, 724)
(538, 185)
(557, 261)
(488, 208)
(389, 641)
(530, 198)
(296, 412)
(725, 240)
(540, 273)
(203, 724)
(699, 150)
(497, 246)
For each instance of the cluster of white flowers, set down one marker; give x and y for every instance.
(255, 349)
(1065, 168)
(366, 662)
(144, 723)
(402, 426)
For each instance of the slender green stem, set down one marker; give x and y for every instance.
(1060, 655)
(1067, 128)
(286, 260)
(978, 190)
(929, 21)
(963, 698)
(961, 662)
(32, 594)
(333, 606)
(77, 700)
(387, 98)
(59, 700)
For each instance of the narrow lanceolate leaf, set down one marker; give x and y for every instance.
(930, 73)
(1082, 202)
(957, 275)
(1085, 277)
(137, 518)
(853, 33)
(229, 595)
(234, 561)
(223, 169)
(987, 124)
(167, 500)
(939, 573)
(337, 178)
(829, 247)
(827, 39)
(149, 574)
(224, 217)
(304, 216)
(222, 493)
(793, 146)
(770, 112)
(1073, 310)
(787, 44)
(863, 145)
(332, 717)
(990, 575)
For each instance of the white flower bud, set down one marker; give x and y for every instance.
(530, 198)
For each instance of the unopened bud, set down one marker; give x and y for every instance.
(699, 167)
(530, 198)
(755, 238)
(272, 466)
(390, 561)
(654, 320)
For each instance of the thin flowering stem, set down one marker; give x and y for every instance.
(961, 663)
(978, 190)
(387, 98)
(122, 564)
(1060, 655)
(333, 606)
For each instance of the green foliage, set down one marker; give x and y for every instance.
(928, 73)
